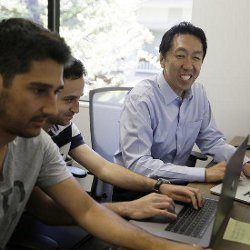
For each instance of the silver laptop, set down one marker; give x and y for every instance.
(187, 228)
(242, 193)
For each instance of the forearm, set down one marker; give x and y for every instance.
(110, 172)
(157, 168)
(111, 228)
(123, 233)
(127, 179)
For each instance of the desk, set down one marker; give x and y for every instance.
(239, 212)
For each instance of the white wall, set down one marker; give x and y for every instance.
(225, 73)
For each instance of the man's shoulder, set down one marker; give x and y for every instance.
(197, 86)
(144, 88)
(30, 144)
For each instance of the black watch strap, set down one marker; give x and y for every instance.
(158, 184)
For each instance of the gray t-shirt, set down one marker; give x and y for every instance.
(29, 162)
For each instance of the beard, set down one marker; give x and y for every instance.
(14, 123)
(60, 119)
(3, 100)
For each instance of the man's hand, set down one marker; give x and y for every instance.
(246, 169)
(183, 194)
(216, 172)
(150, 205)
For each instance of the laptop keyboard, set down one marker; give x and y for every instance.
(193, 222)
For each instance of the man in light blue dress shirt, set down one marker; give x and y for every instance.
(164, 117)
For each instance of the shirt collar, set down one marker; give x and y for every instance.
(167, 91)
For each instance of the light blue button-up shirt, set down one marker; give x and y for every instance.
(158, 131)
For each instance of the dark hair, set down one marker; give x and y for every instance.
(182, 28)
(74, 69)
(23, 41)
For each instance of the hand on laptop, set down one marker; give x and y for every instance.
(216, 172)
(183, 194)
(150, 205)
(246, 169)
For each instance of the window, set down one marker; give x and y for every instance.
(117, 40)
(32, 9)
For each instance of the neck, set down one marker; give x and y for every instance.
(5, 138)
(178, 92)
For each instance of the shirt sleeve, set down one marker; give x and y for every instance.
(136, 137)
(76, 139)
(53, 169)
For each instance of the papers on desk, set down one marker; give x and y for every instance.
(243, 190)
(237, 231)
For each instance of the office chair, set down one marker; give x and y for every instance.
(105, 106)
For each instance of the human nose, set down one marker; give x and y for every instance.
(75, 107)
(50, 105)
(188, 63)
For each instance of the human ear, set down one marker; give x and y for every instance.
(162, 61)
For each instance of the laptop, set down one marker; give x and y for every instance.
(242, 193)
(211, 216)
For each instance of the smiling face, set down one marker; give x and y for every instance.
(68, 101)
(182, 63)
(30, 99)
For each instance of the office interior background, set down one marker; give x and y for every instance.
(225, 71)
(118, 41)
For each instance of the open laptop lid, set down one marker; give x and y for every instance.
(229, 186)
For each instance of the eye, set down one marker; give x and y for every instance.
(39, 90)
(68, 99)
(197, 58)
(180, 56)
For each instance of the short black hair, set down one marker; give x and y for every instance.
(74, 69)
(23, 41)
(181, 29)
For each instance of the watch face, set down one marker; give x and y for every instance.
(164, 181)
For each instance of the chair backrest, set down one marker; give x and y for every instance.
(105, 105)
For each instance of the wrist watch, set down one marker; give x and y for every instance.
(158, 184)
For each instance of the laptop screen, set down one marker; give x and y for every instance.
(229, 186)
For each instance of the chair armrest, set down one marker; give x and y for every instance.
(198, 156)
(193, 157)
